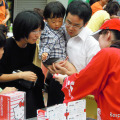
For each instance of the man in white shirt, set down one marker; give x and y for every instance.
(81, 47)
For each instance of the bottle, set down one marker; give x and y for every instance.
(10, 28)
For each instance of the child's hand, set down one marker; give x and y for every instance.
(44, 56)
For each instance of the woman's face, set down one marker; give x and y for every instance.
(104, 41)
(34, 36)
(1, 52)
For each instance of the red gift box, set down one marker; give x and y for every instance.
(12, 106)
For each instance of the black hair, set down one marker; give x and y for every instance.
(112, 7)
(2, 39)
(115, 32)
(39, 11)
(3, 28)
(25, 22)
(54, 9)
(81, 9)
(116, 41)
(92, 1)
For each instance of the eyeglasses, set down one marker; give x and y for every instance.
(74, 27)
(36, 32)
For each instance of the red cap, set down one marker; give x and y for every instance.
(113, 24)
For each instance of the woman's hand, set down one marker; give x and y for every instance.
(8, 90)
(60, 78)
(28, 75)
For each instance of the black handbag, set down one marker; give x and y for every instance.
(24, 83)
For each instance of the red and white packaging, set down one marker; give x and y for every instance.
(75, 110)
(41, 115)
(12, 106)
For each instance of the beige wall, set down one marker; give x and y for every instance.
(64, 2)
(50, 1)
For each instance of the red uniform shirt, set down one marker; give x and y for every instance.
(101, 77)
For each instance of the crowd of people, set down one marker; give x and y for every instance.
(70, 51)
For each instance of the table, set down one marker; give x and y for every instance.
(36, 119)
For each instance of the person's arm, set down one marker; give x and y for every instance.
(8, 90)
(46, 44)
(27, 75)
(7, 16)
(63, 67)
(90, 80)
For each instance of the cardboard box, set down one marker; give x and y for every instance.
(12, 106)
(91, 107)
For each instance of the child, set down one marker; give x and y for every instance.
(52, 41)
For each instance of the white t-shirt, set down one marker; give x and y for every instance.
(81, 48)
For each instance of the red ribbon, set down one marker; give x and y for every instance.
(21, 104)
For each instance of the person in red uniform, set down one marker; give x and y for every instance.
(4, 12)
(101, 77)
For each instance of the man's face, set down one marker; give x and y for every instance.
(73, 24)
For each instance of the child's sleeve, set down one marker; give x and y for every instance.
(46, 44)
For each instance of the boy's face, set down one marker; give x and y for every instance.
(55, 23)
(1, 52)
(74, 24)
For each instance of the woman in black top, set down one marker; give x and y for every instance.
(16, 65)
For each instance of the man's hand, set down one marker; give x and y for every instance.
(44, 56)
(63, 68)
(57, 68)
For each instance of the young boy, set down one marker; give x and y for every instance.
(52, 42)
